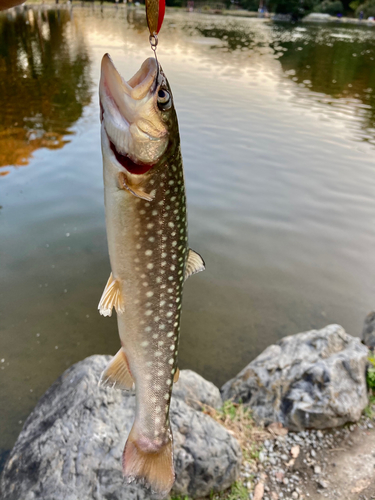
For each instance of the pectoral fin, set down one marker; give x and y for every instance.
(117, 374)
(111, 298)
(176, 375)
(135, 191)
(194, 264)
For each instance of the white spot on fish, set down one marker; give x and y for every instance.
(148, 312)
(155, 336)
(150, 265)
(160, 343)
(158, 354)
(174, 243)
(171, 361)
(148, 252)
(163, 255)
(148, 329)
(177, 300)
(170, 334)
(137, 246)
(171, 182)
(150, 226)
(169, 314)
(173, 267)
(173, 347)
(156, 318)
(168, 382)
(150, 294)
(162, 302)
(144, 344)
(145, 283)
(166, 395)
(163, 263)
(158, 279)
(175, 324)
(151, 239)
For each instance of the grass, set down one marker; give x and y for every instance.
(236, 492)
(238, 420)
(369, 411)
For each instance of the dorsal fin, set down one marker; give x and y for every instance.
(194, 264)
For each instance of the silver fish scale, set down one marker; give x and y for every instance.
(149, 328)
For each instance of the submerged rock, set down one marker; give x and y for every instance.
(315, 379)
(368, 332)
(71, 445)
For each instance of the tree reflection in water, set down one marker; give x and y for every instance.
(44, 82)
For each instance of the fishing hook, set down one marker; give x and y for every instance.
(154, 43)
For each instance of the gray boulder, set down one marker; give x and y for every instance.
(195, 390)
(315, 379)
(71, 445)
(368, 332)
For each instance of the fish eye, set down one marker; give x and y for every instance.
(164, 100)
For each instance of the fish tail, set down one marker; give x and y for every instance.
(149, 461)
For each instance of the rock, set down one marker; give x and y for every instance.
(71, 445)
(258, 491)
(368, 332)
(314, 379)
(195, 390)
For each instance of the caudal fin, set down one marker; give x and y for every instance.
(153, 464)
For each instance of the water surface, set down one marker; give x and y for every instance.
(278, 135)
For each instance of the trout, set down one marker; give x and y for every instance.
(146, 220)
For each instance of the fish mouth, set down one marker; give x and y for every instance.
(127, 111)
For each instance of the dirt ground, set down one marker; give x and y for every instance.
(349, 470)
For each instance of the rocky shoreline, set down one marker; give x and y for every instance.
(266, 443)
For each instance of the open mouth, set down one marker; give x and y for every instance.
(127, 163)
(119, 101)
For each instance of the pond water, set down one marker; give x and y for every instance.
(278, 137)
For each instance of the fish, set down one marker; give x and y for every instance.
(146, 221)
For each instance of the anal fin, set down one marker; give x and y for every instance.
(194, 264)
(138, 193)
(111, 298)
(117, 374)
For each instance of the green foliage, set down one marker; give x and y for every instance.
(330, 7)
(229, 409)
(180, 498)
(368, 9)
(296, 8)
(371, 373)
(237, 492)
(251, 5)
(369, 411)
(354, 5)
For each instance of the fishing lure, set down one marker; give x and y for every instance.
(155, 10)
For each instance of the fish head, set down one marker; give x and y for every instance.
(137, 115)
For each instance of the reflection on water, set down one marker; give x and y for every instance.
(337, 63)
(277, 129)
(44, 82)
